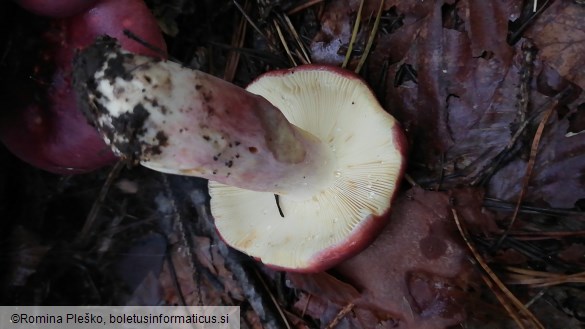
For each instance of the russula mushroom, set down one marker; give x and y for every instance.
(56, 8)
(302, 167)
(39, 121)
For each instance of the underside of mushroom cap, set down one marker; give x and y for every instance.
(319, 229)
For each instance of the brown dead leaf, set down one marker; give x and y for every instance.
(480, 106)
(335, 32)
(468, 202)
(458, 102)
(574, 253)
(510, 257)
(559, 172)
(324, 285)
(486, 23)
(414, 275)
(559, 33)
(331, 42)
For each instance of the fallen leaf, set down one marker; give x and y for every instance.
(414, 275)
(559, 33)
(459, 101)
(486, 23)
(574, 253)
(559, 172)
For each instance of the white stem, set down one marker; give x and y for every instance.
(181, 121)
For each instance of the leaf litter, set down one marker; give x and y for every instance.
(470, 82)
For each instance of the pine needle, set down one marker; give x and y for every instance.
(305, 55)
(519, 307)
(284, 44)
(354, 33)
(342, 313)
(304, 6)
(238, 38)
(273, 299)
(533, 278)
(529, 168)
(373, 34)
(249, 19)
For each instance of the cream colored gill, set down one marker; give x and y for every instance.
(345, 115)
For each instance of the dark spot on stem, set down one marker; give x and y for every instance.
(252, 149)
(131, 126)
(162, 138)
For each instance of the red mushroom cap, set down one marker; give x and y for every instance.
(41, 123)
(56, 8)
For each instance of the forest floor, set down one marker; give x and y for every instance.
(490, 96)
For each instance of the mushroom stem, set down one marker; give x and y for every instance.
(177, 120)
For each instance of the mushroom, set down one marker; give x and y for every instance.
(302, 166)
(39, 121)
(56, 8)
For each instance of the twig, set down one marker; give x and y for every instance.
(342, 313)
(536, 297)
(526, 73)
